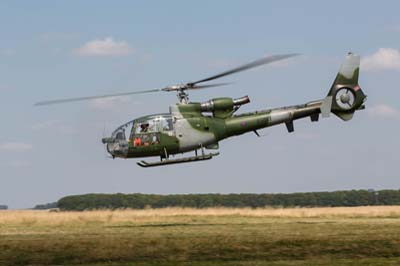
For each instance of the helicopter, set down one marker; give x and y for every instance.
(199, 126)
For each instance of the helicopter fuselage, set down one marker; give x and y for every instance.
(190, 126)
(193, 126)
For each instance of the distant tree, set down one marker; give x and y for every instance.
(46, 206)
(309, 199)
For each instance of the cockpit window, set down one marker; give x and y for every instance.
(153, 124)
(146, 127)
(167, 124)
(119, 133)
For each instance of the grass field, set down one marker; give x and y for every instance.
(314, 236)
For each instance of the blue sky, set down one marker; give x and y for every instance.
(56, 49)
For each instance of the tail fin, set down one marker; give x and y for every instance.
(345, 95)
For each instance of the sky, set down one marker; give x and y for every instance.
(56, 49)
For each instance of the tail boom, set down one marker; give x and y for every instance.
(343, 99)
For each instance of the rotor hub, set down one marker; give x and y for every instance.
(345, 98)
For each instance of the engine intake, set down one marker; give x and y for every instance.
(223, 107)
(241, 101)
(223, 103)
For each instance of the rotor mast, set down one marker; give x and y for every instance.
(183, 96)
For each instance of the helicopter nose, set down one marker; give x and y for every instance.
(109, 145)
(115, 147)
(107, 140)
(110, 151)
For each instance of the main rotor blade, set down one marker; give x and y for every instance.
(196, 87)
(209, 85)
(57, 101)
(181, 87)
(259, 62)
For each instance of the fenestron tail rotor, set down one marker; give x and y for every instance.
(180, 88)
(345, 98)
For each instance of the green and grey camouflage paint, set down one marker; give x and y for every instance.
(193, 129)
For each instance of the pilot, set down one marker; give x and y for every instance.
(144, 127)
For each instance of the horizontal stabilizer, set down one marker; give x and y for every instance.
(326, 106)
(345, 116)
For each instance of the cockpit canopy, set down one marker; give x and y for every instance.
(142, 125)
(153, 123)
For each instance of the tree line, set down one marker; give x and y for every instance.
(46, 206)
(309, 199)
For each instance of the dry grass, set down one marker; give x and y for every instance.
(203, 237)
(32, 217)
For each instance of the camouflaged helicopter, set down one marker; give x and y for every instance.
(194, 126)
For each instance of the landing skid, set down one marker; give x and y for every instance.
(180, 160)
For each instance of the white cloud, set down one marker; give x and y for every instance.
(15, 147)
(104, 47)
(383, 59)
(383, 111)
